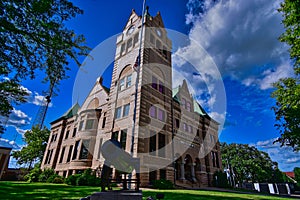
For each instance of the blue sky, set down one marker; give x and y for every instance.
(241, 38)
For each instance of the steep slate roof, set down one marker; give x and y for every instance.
(197, 108)
(70, 113)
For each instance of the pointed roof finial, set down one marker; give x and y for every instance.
(147, 11)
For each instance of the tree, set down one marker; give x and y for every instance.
(34, 37)
(287, 93)
(247, 163)
(297, 175)
(36, 140)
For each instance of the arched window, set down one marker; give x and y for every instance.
(125, 79)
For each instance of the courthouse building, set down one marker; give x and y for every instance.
(173, 136)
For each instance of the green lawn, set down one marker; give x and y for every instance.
(23, 190)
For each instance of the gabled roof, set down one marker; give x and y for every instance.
(174, 94)
(72, 111)
(290, 174)
(197, 107)
(68, 114)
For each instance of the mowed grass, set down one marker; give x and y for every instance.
(24, 190)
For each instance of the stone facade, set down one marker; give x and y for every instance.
(169, 124)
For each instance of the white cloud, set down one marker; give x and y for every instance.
(17, 118)
(21, 131)
(271, 76)
(219, 117)
(286, 158)
(241, 37)
(9, 143)
(35, 98)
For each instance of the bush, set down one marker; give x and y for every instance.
(46, 174)
(33, 175)
(71, 180)
(87, 178)
(58, 179)
(163, 184)
(220, 180)
(55, 178)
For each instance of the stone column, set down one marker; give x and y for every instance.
(193, 172)
(182, 173)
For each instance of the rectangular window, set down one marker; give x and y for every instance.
(184, 127)
(165, 53)
(161, 115)
(74, 132)
(103, 122)
(152, 143)
(122, 84)
(153, 111)
(190, 129)
(123, 139)
(100, 146)
(158, 45)
(52, 138)
(70, 153)
(67, 134)
(62, 155)
(152, 176)
(188, 106)
(84, 151)
(122, 49)
(213, 159)
(47, 157)
(129, 43)
(126, 110)
(50, 156)
(152, 39)
(177, 123)
(163, 174)
(183, 102)
(81, 125)
(89, 124)
(161, 145)
(76, 150)
(115, 135)
(136, 39)
(128, 81)
(154, 82)
(161, 87)
(118, 112)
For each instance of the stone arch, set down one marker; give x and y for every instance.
(125, 71)
(178, 163)
(188, 167)
(93, 104)
(197, 165)
(158, 72)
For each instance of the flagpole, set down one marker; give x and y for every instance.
(137, 85)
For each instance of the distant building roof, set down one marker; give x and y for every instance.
(290, 174)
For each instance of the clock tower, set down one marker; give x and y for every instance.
(141, 96)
